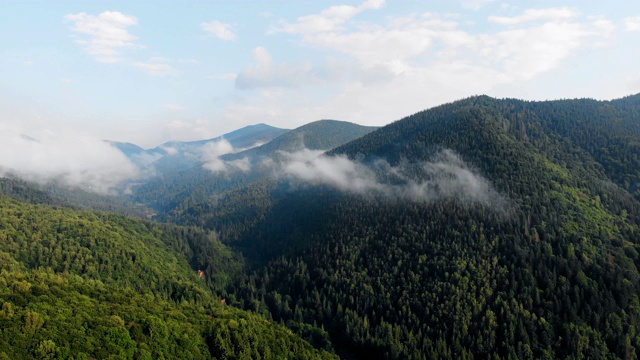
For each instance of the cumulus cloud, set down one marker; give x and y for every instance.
(65, 157)
(266, 74)
(330, 19)
(103, 35)
(413, 62)
(445, 176)
(419, 44)
(632, 24)
(219, 29)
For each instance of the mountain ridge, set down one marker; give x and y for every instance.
(316, 135)
(451, 278)
(174, 156)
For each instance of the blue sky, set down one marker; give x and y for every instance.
(149, 72)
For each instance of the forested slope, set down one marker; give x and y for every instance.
(551, 273)
(94, 285)
(69, 197)
(482, 228)
(170, 193)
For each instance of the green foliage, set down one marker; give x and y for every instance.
(93, 285)
(68, 197)
(556, 277)
(552, 276)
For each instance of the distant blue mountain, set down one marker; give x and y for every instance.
(182, 155)
(317, 135)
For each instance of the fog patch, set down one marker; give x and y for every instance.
(313, 167)
(144, 159)
(211, 153)
(170, 150)
(444, 176)
(64, 157)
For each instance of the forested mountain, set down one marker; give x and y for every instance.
(181, 189)
(317, 135)
(88, 285)
(483, 228)
(182, 155)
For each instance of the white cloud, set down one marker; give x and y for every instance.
(475, 4)
(603, 27)
(170, 150)
(445, 176)
(632, 24)
(531, 15)
(211, 153)
(105, 34)
(64, 156)
(330, 19)
(266, 74)
(412, 62)
(314, 168)
(219, 29)
(156, 69)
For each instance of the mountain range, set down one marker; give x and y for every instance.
(182, 155)
(482, 228)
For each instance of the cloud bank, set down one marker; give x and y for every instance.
(444, 176)
(65, 157)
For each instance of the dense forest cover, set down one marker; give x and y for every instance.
(72, 198)
(88, 285)
(550, 272)
(483, 228)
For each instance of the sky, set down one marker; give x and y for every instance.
(149, 72)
